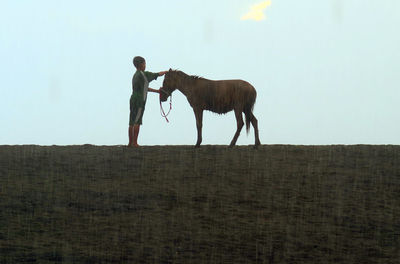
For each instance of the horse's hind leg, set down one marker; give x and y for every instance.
(240, 124)
(254, 122)
(199, 124)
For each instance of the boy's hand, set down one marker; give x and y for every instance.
(162, 73)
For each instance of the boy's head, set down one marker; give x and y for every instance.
(139, 63)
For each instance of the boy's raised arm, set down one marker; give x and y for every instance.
(154, 75)
(151, 76)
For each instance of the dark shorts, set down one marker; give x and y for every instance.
(136, 113)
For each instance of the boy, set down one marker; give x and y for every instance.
(140, 87)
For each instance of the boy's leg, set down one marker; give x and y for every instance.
(135, 120)
(130, 134)
(136, 129)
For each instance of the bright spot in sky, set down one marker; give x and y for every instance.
(257, 11)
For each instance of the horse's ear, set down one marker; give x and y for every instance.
(170, 70)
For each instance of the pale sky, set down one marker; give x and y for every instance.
(326, 72)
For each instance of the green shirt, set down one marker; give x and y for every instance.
(140, 85)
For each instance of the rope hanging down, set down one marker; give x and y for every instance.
(163, 114)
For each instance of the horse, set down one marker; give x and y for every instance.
(220, 96)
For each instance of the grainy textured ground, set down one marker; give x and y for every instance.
(177, 204)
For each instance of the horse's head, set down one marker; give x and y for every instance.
(169, 85)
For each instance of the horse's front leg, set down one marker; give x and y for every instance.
(199, 124)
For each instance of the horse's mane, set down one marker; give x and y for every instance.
(194, 77)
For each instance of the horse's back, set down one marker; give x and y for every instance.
(238, 86)
(240, 90)
(223, 96)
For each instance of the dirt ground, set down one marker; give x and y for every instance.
(177, 204)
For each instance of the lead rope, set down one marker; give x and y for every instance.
(162, 110)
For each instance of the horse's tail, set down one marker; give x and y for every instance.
(247, 115)
(248, 111)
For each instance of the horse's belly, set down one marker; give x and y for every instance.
(219, 108)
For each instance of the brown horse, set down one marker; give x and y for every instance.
(216, 96)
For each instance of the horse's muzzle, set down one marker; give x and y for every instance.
(163, 95)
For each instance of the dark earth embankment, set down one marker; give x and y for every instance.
(177, 204)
